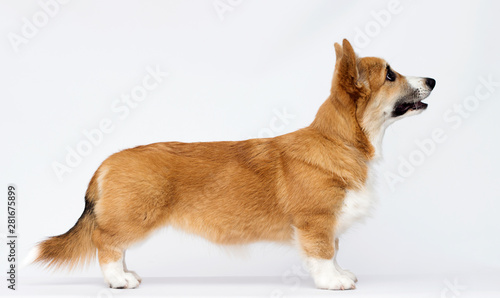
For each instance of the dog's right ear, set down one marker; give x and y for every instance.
(346, 69)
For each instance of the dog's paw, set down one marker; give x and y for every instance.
(135, 275)
(349, 274)
(125, 281)
(336, 282)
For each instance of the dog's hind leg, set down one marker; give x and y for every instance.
(111, 255)
(130, 271)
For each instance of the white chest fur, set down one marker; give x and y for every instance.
(357, 204)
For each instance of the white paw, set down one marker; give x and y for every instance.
(116, 282)
(132, 281)
(135, 275)
(349, 274)
(117, 278)
(326, 275)
(345, 272)
(338, 282)
(126, 280)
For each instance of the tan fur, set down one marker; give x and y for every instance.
(74, 247)
(237, 192)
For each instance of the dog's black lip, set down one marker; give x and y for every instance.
(402, 107)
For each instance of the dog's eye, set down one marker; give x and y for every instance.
(390, 76)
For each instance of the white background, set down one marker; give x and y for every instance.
(228, 76)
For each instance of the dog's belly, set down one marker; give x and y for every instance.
(236, 232)
(357, 206)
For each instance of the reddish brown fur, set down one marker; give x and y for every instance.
(235, 192)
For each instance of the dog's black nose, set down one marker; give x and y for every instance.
(430, 82)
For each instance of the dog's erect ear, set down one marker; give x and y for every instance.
(338, 52)
(346, 72)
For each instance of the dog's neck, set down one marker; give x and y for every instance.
(376, 135)
(375, 126)
(336, 119)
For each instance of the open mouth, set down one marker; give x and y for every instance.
(402, 108)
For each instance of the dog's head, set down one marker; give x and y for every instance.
(380, 94)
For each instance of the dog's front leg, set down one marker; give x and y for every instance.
(315, 235)
(339, 269)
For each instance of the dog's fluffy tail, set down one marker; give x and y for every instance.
(73, 248)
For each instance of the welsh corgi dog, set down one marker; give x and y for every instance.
(306, 187)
